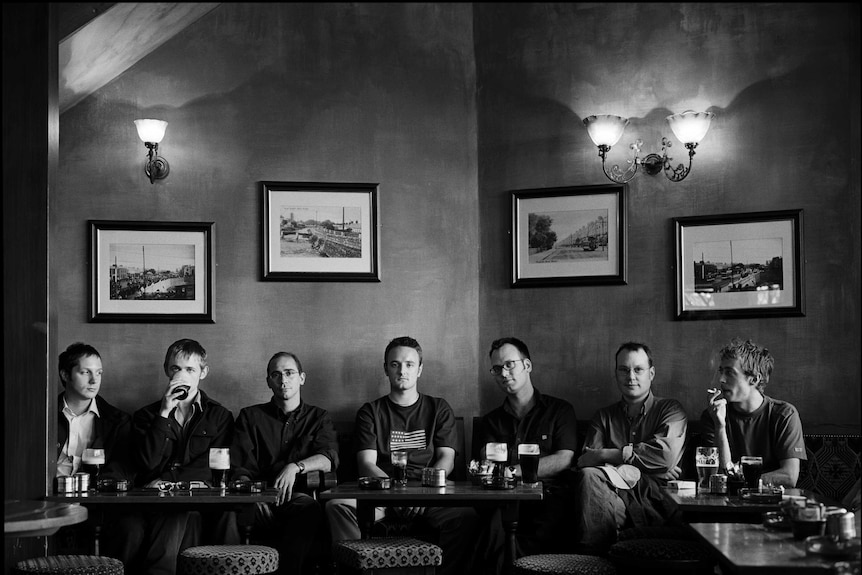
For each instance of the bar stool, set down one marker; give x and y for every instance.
(562, 564)
(387, 555)
(659, 556)
(70, 565)
(227, 559)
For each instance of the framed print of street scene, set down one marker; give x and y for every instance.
(320, 232)
(739, 265)
(569, 236)
(151, 271)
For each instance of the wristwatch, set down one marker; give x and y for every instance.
(301, 466)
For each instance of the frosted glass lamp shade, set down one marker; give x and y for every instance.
(605, 130)
(690, 127)
(151, 130)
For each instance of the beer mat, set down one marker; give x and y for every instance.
(679, 485)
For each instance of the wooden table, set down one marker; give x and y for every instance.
(38, 518)
(100, 504)
(455, 494)
(707, 507)
(748, 549)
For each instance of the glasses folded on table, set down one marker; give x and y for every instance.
(166, 486)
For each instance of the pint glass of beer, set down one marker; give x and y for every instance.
(528, 457)
(706, 462)
(92, 461)
(752, 467)
(399, 468)
(219, 466)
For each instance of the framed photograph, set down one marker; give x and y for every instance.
(152, 272)
(320, 232)
(739, 265)
(569, 236)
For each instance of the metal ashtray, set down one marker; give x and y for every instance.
(763, 495)
(776, 520)
(112, 485)
(375, 482)
(248, 486)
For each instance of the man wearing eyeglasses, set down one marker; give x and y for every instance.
(527, 416)
(277, 442)
(631, 449)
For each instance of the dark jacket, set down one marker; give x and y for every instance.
(160, 452)
(111, 432)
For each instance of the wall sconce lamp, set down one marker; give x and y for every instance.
(151, 133)
(689, 128)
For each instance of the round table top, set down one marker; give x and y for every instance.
(38, 518)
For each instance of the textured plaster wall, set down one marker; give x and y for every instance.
(783, 81)
(290, 92)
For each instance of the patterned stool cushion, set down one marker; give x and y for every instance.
(71, 565)
(227, 559)
(563, 565)
(386, 552)
(660, 550)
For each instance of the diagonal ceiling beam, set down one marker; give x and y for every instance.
(115, 40)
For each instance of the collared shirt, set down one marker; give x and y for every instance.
(266, 439)
(656, 434)
(196, 407)
(80, 436)
(550, 422)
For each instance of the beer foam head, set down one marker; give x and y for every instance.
(528, 449)
(219, 458)
(497, 452)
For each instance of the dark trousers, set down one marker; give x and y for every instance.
(148, 543)
(294, 528)
(457, 529)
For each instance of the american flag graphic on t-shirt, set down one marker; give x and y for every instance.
(407, 440)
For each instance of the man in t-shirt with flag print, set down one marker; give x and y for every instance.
(424, 426)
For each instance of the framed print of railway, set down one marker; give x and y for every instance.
(569, 236)
(320, 232)
(739, 265)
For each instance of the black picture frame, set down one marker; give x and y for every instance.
(175, 285)
(742, 265)
(301, 237)
(584, 243)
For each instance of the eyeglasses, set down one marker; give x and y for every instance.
(286, 374)
(507, 365)
(165, 486)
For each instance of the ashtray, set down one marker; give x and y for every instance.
(763, 495)
(498, 483)
(112, 485)
(776, 520)
(479, 478)
(374, 482)
(829, 547)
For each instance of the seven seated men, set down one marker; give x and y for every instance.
(632, 448)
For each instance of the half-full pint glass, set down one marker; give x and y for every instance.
(706, 462)
(528, 457)
(399, 467)
(92, 461)
(752, 467)
(219, 465)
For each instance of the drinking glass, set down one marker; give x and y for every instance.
(399, 467)
(92, 461)
(706, 462)
(219, 466)
(528, 457)
(752, 467)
